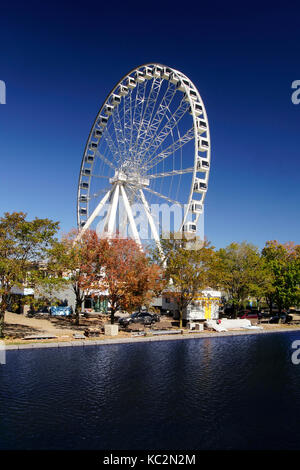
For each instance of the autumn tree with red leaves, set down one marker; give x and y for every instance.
(80, 262)
(131, 280)
(115, 269)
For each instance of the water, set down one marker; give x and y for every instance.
(239, 392)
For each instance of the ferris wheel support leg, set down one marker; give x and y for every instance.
(113, 211)
(130, 217)
(151, 222)
(108, 211)
(123, 224)
(93, 215)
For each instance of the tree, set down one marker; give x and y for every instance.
(24, 247)
(241, 272)
(283, 260)
(262, 281)
(115, 269)
(80, 263)
(130, 279)
(188, 268)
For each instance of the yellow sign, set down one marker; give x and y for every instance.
(207, 309)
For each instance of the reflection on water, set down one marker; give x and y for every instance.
(238, 392)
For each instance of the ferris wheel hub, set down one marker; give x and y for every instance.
(129, 178)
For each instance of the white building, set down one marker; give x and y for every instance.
(204, 307)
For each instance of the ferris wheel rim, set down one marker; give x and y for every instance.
(181, 77)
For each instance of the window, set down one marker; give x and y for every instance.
(87, 303)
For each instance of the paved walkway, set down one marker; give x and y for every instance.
(120, 340)
(23, 326)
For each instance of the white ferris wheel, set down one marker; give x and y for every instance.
(149, 145)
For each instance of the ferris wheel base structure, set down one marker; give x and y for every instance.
(149, 144)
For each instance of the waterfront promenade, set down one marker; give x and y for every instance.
(185, 335)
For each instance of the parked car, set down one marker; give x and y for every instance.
(146, 318)
(60, 311)
(282, 318)
(249, 314)
(265, 313)
(228, 312)
(295, 314)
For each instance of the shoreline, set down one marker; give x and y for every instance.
(184, 336)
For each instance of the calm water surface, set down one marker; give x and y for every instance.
(238, 392)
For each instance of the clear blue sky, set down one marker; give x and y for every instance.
(59, 61)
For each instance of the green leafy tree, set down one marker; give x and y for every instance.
(241, 272)
(24, 247)
(283, 261)
(262, 281)
(188, 268)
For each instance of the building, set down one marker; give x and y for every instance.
(204, 307)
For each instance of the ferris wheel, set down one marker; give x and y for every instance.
(149, 145)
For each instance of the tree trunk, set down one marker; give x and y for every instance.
(234, 310)
(180, 318)
(280, 313)
(112, 316)
(3, 307)
(2, 315)
(271, 308)
(77, 311)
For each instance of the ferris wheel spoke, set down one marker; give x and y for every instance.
(187, 137)
(158, 117)
(119, 132)
(172, 173)
(162, 196)
(151, 102)
(149, 109)
(98, 193)
(140, 106)
(167, 129)
(105, 160)
(99, 176)
(164, 105)
(111, 145)
(127, 117)
(132, 124)
(140, 111)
